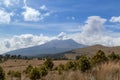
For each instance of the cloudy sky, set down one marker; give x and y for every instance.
(25, 23)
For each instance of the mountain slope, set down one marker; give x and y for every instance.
(91, 50)
(51, 47)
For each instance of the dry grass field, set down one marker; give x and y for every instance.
(20, 65)
(106, 71)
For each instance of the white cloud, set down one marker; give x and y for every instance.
(31, 14)
(94, 25)
(8, 3)
(43, 7)
(96, 39)
(5, 17)
(62, 36)
(92, 33)
(27, 40)
(115, 19)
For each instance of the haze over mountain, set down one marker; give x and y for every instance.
(51, 47)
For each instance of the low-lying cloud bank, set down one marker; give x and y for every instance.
(93, 32)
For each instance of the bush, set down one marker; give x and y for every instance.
(14, 74)
(2, 74)
(113, 56)
(43, 71)
(48, 64)
(38, 73)
(35, 74)
(99, 57)
(83, 63)
(28, 69)
(60, 68)
(70, 65)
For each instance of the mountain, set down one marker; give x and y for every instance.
(91, 50)
(51, 47)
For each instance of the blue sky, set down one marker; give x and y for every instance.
(84, 19)
(60, 12)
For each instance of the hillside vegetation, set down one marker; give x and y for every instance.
(96, 67)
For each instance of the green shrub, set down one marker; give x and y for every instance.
(48, 64)
(35, 74)
(2, 74)
(38, 73)
(113, 56)
(28, 69)
(70, 65)
(99, 57)
(83, 63)
(14, 74)
(43, 71)
(60, 68)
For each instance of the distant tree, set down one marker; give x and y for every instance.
(19, 57)
(13, 56)
(113, 56)
(7, 56)
(1, 56)
(2, 74)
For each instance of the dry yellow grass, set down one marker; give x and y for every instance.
(106, 71)
(20, 65)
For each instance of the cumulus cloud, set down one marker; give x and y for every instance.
(92, 33)
(8, 3)
(27, 40)
(22, 41)
(5, 17)
(31, 14)
(93, 25)
(115, 19)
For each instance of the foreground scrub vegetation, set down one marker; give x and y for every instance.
(97, 67)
